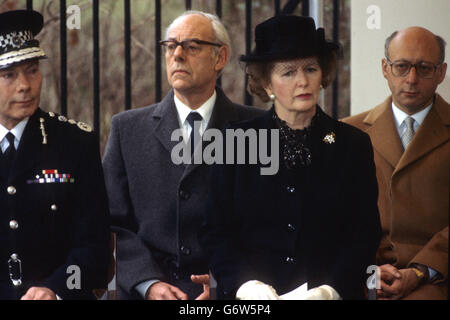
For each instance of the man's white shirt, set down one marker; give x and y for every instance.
(17, 131)
(400, 116)
(205, 111)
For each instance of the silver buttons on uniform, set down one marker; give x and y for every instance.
(53, 207)
(13, 224)
(11, 190)
(14, 263)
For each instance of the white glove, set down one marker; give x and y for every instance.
(257, 290)
(323, 292)
(296, 293)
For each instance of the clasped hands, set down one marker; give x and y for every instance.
(396, 283)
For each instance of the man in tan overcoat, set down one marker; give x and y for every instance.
(410, 134)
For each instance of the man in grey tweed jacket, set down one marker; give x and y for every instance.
(156, 205)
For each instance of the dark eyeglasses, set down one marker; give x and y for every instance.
(424, 69)
(190, 46)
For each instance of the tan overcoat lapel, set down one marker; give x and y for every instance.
(431, 134)
(383, 132)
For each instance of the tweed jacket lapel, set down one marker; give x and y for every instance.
(383, 133)
(431, 134)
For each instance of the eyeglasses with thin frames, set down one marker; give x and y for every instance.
(190, 46)
(402, 68)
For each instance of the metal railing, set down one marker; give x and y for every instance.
(288, 8)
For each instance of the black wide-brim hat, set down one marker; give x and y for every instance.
(17, 31)
(288, 37)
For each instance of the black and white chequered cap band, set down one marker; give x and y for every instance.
(18, 46)
(15, 39)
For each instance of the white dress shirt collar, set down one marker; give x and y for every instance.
(399, 117)
(205, 111)
(17, 131)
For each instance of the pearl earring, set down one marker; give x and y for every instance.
(272, 97)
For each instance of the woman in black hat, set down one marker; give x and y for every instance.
(316, 220)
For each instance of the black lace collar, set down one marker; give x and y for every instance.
(295, 143)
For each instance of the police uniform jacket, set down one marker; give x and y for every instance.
(54, 212)
(317, 224)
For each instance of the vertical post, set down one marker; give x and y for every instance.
(316, 12)
(277, 7)
(291, 5)
(219, 8)
(63, 52)
(188, 4)
(127, 13)
(248, 45)
(305, 8)
(335, 104)
(29, 4)
(158, 75)
(219, 14)
(96, 67)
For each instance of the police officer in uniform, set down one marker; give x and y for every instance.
(54, 227)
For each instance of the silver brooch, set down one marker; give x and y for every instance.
(330, 138)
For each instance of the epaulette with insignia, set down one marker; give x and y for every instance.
(83, 126)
